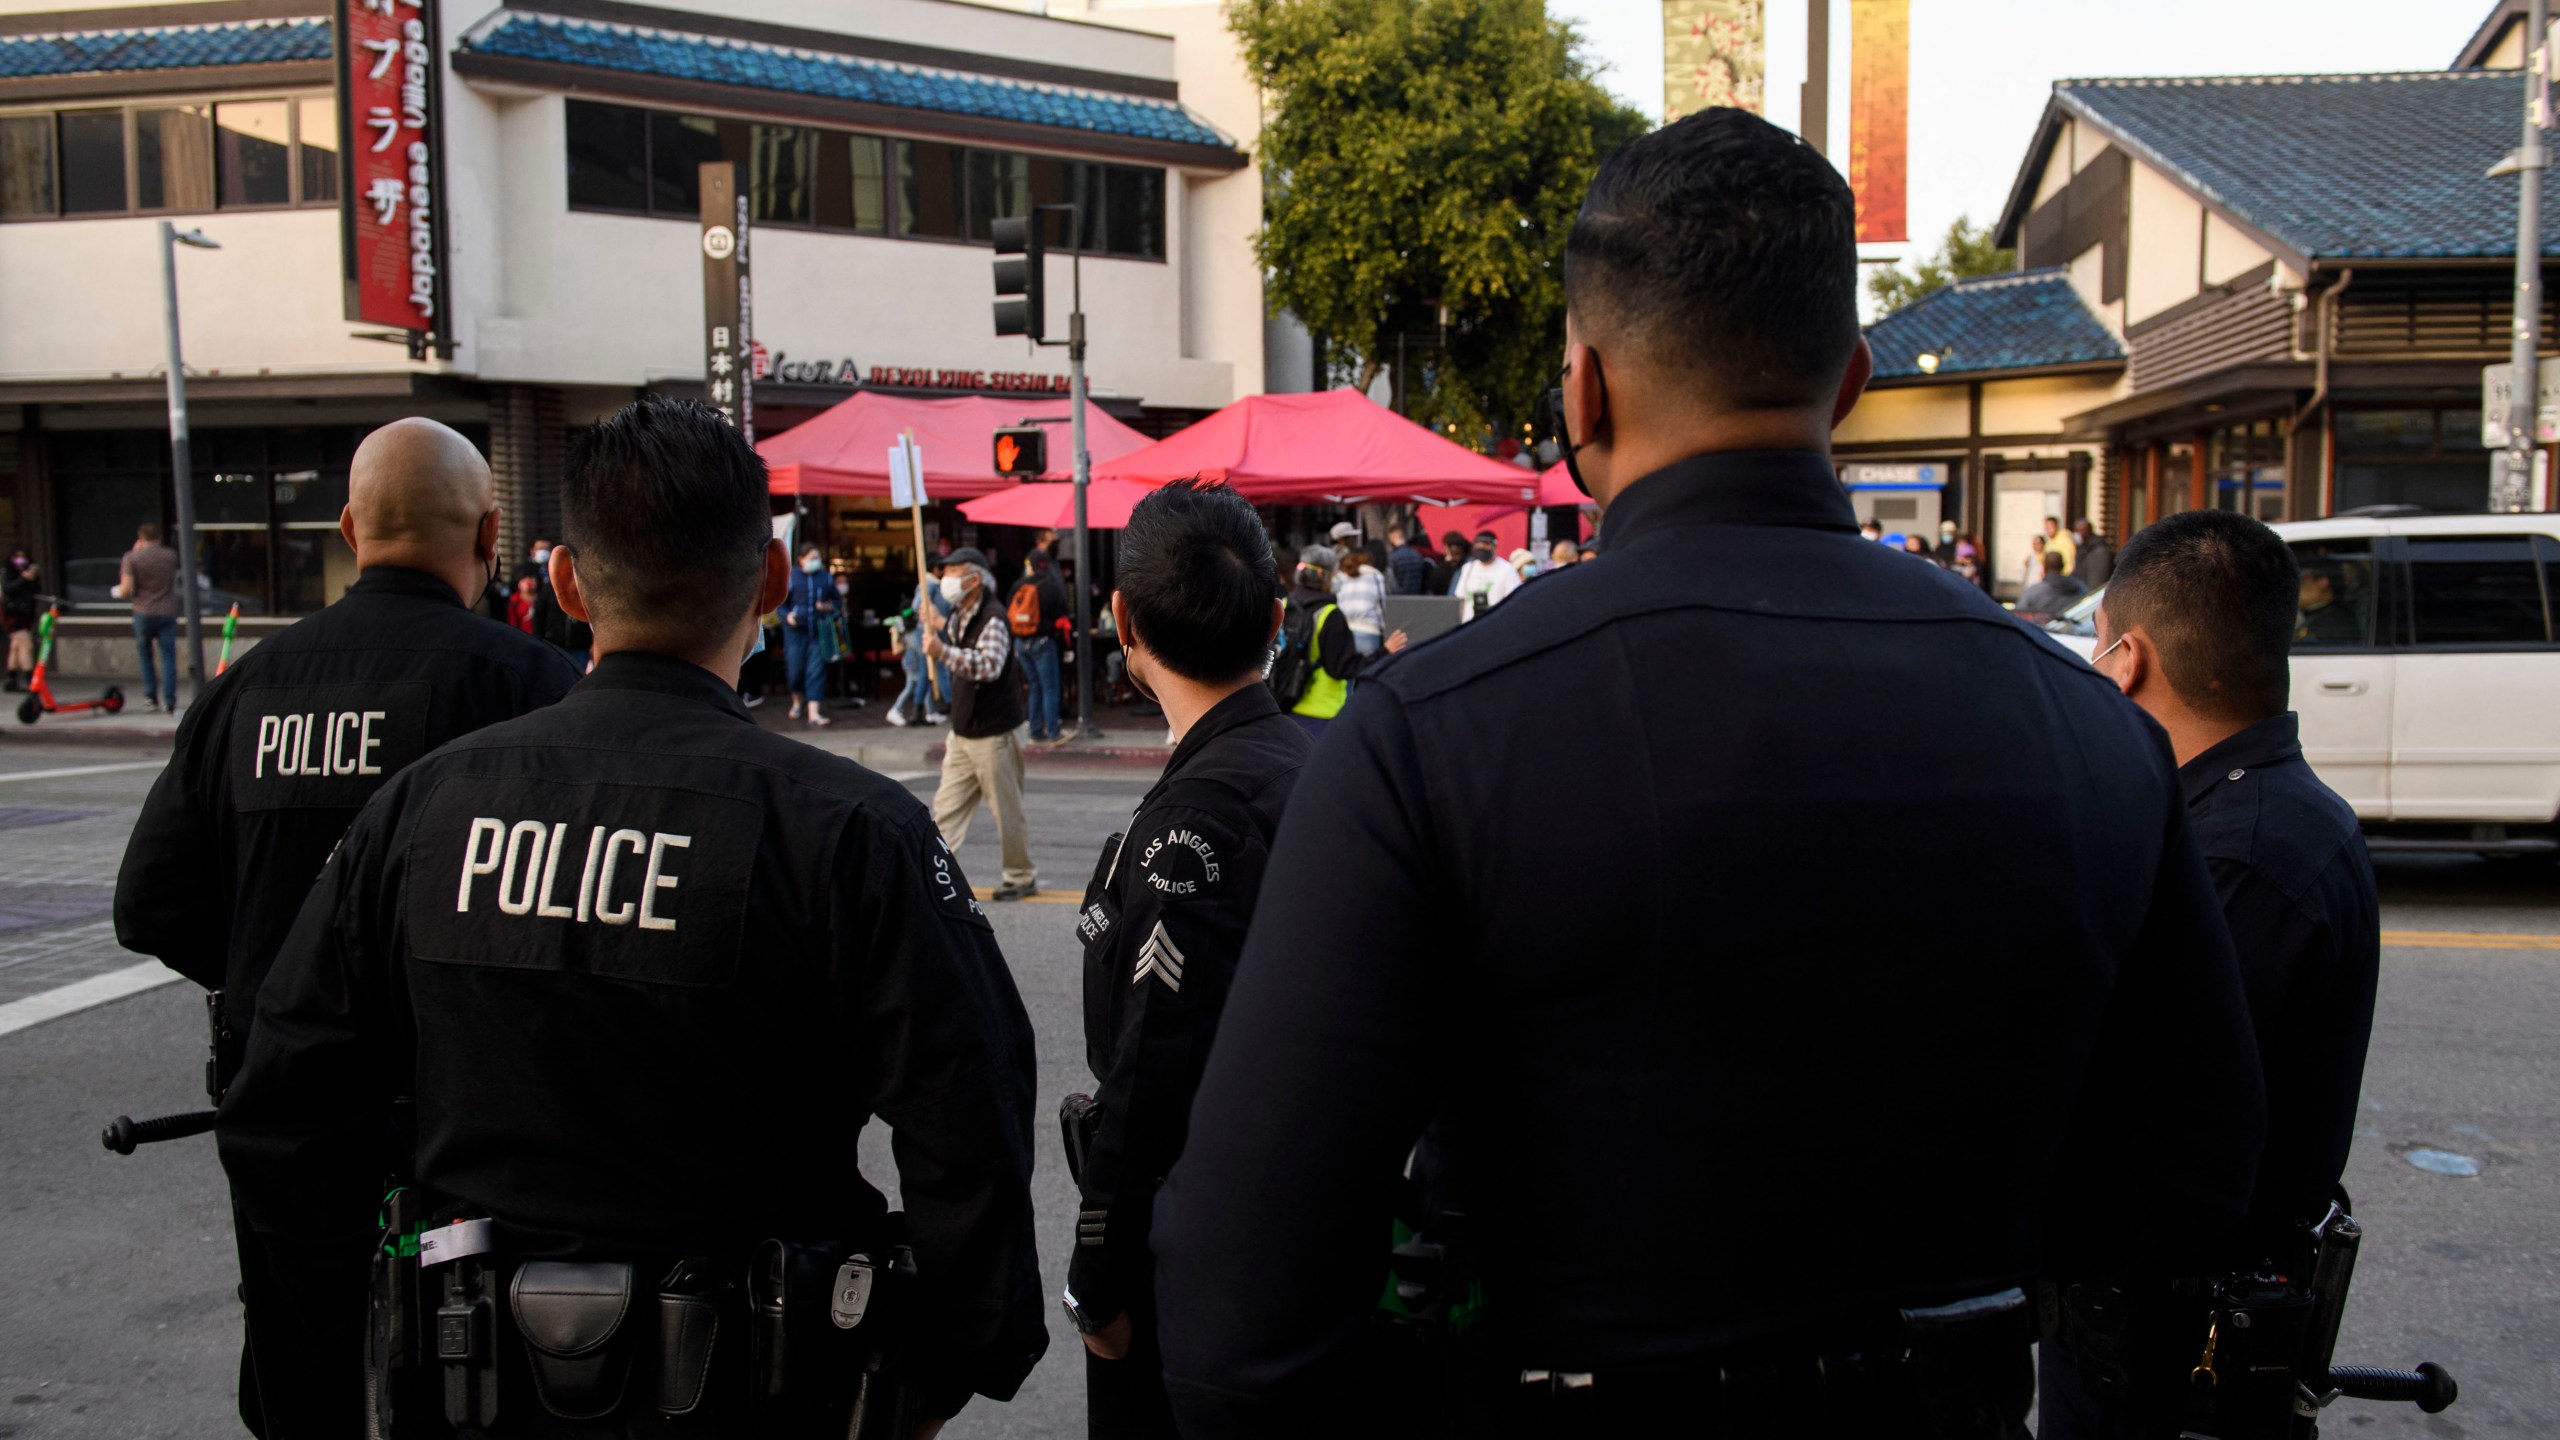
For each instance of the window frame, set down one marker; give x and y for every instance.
(128, 111)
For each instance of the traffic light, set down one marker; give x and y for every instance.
(1018, 274)
(1022, 451)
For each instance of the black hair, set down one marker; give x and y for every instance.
(663, 504)
(2216, 591)
(1197, 575)
(2053, 562)
(1722, 246)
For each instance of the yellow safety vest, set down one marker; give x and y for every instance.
(1325, 694)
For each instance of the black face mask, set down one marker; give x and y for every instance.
(1485, 556)
(1552, 404)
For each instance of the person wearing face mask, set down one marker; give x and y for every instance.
(806, 609)
(983, 757)
(1164, 918)
(285, 746)
(18, 616)
(600, 946)
(1486, 580)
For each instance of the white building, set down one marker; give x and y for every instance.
(877, 141)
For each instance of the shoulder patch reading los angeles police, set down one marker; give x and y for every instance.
(323, 747)
(1179, 862)
(633, 882)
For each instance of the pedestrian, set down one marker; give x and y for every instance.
(284, 748)
(19, 595)
(1361, 590)
(2051, 595)
(1967, 564)
(1408, 563)
(983, 758)
(2031, 571)
(807, 604)
(1946, 539)
(2095, 559)
(1871, 529)
(1561, 554)
(1036, 619)
(1317, 658)
(915, 703)
(520, 606)
(2197, 629)
(1914, 545)
(148, 577)
(602, 948)
(2055, 540)
(1453, 558)
(1485, 580)
(1586, 1101)
(1164, 920)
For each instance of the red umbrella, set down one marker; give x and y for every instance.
(1334, 447)
(845, 449)
(1043, 504)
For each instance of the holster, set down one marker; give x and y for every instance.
(466, 1330)
(1079, 1124)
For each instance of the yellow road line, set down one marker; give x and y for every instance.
(1040, 897)
(2468, 940)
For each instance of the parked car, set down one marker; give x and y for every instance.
(2426, 670)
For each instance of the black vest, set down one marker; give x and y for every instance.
(980, 708)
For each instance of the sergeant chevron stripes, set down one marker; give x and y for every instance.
(1161, 958)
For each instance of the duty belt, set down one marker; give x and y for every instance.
(1947, 1372)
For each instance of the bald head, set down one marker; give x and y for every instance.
(418, 483)
(419, 496)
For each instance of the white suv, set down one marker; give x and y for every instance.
(2426, 671)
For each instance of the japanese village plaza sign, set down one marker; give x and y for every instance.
(391, 186)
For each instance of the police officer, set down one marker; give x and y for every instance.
(1768, 1136)
(2197, 628)
(1164, 919)
(646, 970)
(288, 743)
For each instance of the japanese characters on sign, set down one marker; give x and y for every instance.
(390, 138)
(728, 305)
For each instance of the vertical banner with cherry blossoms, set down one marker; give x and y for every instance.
(1880, 115)
(390, 147)
(1712, 54)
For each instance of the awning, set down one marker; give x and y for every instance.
(844, 450)
(1337, 447)
(1044, 504)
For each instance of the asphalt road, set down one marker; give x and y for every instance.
(119, 1321)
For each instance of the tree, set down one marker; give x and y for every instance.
(1422, 161)
(1965, 253)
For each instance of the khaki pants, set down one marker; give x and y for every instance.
(991, 767)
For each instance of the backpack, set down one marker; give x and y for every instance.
(1022, 613)
(1293, 665)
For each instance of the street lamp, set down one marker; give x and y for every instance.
(171, 237)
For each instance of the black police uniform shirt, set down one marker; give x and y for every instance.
(1163, 925)
(1872, 932)
(283, 748)
(2289, 861)
(648, 970)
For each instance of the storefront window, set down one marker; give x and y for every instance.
(2411, 457)
(780, 168)
(929, 189)
(608, 157)
(999, 189)
(2248, 469)
(853, 187)
(316, 135)
(26, 166)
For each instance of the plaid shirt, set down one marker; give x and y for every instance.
(985, 660)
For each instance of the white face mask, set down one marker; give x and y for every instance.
(813, 565)
(541, 557)
(954, 589)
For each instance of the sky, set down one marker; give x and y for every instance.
(1981, 69)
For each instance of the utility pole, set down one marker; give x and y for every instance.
(1084, 478)
(180, 465)
(2512, 488)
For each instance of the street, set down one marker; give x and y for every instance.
(123, 1323)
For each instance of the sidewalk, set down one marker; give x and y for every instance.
(859, 735)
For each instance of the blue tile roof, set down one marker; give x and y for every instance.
(2337, 166)
(2022, 321)
(777, 69)
(169, 47)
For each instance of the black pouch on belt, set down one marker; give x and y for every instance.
(789, 1284)
(570, 1317)
(692, 1300)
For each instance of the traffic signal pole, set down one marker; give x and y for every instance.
(1084, 476)
(1020, 236)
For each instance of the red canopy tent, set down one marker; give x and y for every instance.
(1336, 447)
(845, 449)
(1046, 506)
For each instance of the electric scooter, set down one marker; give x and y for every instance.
(39, 700)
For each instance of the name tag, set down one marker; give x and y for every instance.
(628, 881)
(323, 747)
